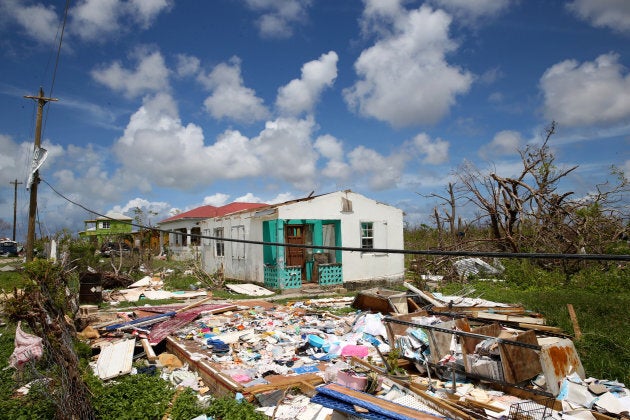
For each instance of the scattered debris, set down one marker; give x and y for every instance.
(406, 355)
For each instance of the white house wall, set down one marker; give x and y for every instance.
(356, 266)
(388, 232)
(249, 268)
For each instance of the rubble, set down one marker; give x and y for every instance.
(421, 355)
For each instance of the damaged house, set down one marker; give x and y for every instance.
(182, 241)
(339, 219)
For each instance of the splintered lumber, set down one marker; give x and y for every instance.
(362, 399)
(507, 318)
(443, 407)
(218, 382)
(422, 294)
(283, 382)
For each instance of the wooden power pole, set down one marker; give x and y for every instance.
(32, 207)
(15, 184)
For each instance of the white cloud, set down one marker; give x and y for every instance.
(472, 11)
(146, 207)
(150, 74)
(278, 17)
(382, 171)
(145, 11)
(187, 65)
(286, 150)
(435, 152)
(230, 98)
(14, 158)
(95, 20)
(92, 19)
(504, 143)
(157, 147)
(248, 198)
(332, 149)
(405, 79)
(613, 14)
(216, 200)
(301, 95)
(38, 21)
(281, 198)
(587, 94)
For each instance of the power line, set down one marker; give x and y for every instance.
(431, 252)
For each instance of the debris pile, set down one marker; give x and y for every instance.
(386, 354)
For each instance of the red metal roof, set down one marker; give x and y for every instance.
(208, 211)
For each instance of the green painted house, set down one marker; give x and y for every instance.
(111, 224)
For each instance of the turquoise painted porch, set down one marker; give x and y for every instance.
(278, 275)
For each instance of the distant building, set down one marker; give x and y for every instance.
(111, 224)
(183, 239)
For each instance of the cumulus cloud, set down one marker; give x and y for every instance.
(332, 149)
(504, 143)
(230, 98)
(95, 20)
(38, 21)
(216, 200)
(13, 159)
(471, 11)
(382, 172)
(434, 152)
(282, 150)
(613, 14)
(278, 17)
(404, 77)
(301, 95)
(187, 65)
(589, 93)
(286, 150)
(149, 75)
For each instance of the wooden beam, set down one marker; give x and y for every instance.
(574, 320)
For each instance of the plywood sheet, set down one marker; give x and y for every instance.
(520, 363)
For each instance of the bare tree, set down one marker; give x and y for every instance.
(528, 212)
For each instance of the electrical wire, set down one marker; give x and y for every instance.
(597, 257)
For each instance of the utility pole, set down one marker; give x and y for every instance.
(32, 207)
(15, 184)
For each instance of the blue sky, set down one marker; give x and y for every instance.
(168, 105)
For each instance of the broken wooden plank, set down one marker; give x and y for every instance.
(363, 399)
(218, 382)
(507, 318)
(115, 359)
(441, 406)
(423, 295)
(148, 350)
(576, 326)
(283, 382)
